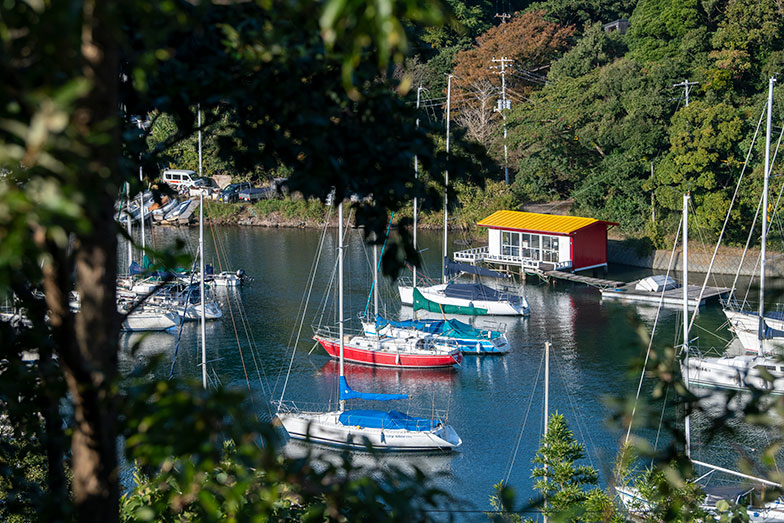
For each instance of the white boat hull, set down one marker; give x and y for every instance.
(325, 428)
(435, 293)
(750, 321)
(149, 321)
(736, 373)
(193, 312)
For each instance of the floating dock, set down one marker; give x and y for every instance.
(618, 290)
(672, 297)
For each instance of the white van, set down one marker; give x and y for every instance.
(178, 178)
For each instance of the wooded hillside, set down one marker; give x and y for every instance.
(595, 115)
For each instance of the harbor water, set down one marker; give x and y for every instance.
(495, 403)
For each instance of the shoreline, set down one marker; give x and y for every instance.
(626, 251)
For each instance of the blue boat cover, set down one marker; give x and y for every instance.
(376, 419)
(471, 291)
(347, 393)
(450, 328)
(454, 268)
(135, 268)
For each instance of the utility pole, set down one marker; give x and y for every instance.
(503, 105)
(503, 17)
(687, 85)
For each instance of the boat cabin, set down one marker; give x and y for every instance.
(541, 241)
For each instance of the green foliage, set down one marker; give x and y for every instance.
(24, 492)
(585, 12)
(596, 48)
(200, 456)
(562, 482)
(705, 159)
(184, 154)
(473, 19)
(291, 207)
(657, 27)
(477, 203)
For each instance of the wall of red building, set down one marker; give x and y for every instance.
(589, 246)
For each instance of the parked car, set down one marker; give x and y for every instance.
(206, 186)
(253, 194)
(178, 179)
(231, 192)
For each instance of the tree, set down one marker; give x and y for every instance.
(704, 158)
(585, 13)
(68, 144)
(530, 41)
(562, 482)
(658, 26)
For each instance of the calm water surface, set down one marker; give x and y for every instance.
(494, 403)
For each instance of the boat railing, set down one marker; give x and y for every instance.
(333, 331)
(293, 407)
(494, 325)
(435, 343)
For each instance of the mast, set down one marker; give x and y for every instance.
(141, 215)
(201, 294)
(446, 175)
(128, 224)
(416, 177)
(198, 109)
(764, 239)
(546, 401)
(375, 276)
(340, 296)
(687, 422)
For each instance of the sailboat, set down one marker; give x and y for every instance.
(357, 428)
(631, 497)
(468, 339)
(451, 297)
(764, 370)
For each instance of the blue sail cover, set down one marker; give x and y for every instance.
(347, 393)
(453, 268)
(376, 419)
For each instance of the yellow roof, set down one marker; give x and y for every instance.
(531, 221)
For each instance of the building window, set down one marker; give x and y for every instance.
(531, 243)
(510, 243)
(550, 249)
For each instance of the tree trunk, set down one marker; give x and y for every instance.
(91, 367)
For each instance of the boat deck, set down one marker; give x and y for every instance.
(671, 297)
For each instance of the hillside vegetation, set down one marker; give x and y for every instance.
(594, 115)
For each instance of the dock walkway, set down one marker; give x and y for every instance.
(588, 280)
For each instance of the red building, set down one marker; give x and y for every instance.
(541, 241)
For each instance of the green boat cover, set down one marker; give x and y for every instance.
(422, 303)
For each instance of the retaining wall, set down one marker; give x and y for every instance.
(699, 259)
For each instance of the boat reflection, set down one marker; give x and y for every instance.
(139, 348)
(389, 379)
(376, 464)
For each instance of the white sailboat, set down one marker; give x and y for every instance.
(356, 428)
(757, 333)
(743, 494)
(450, 297)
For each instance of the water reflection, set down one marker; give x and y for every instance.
(434, 465)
